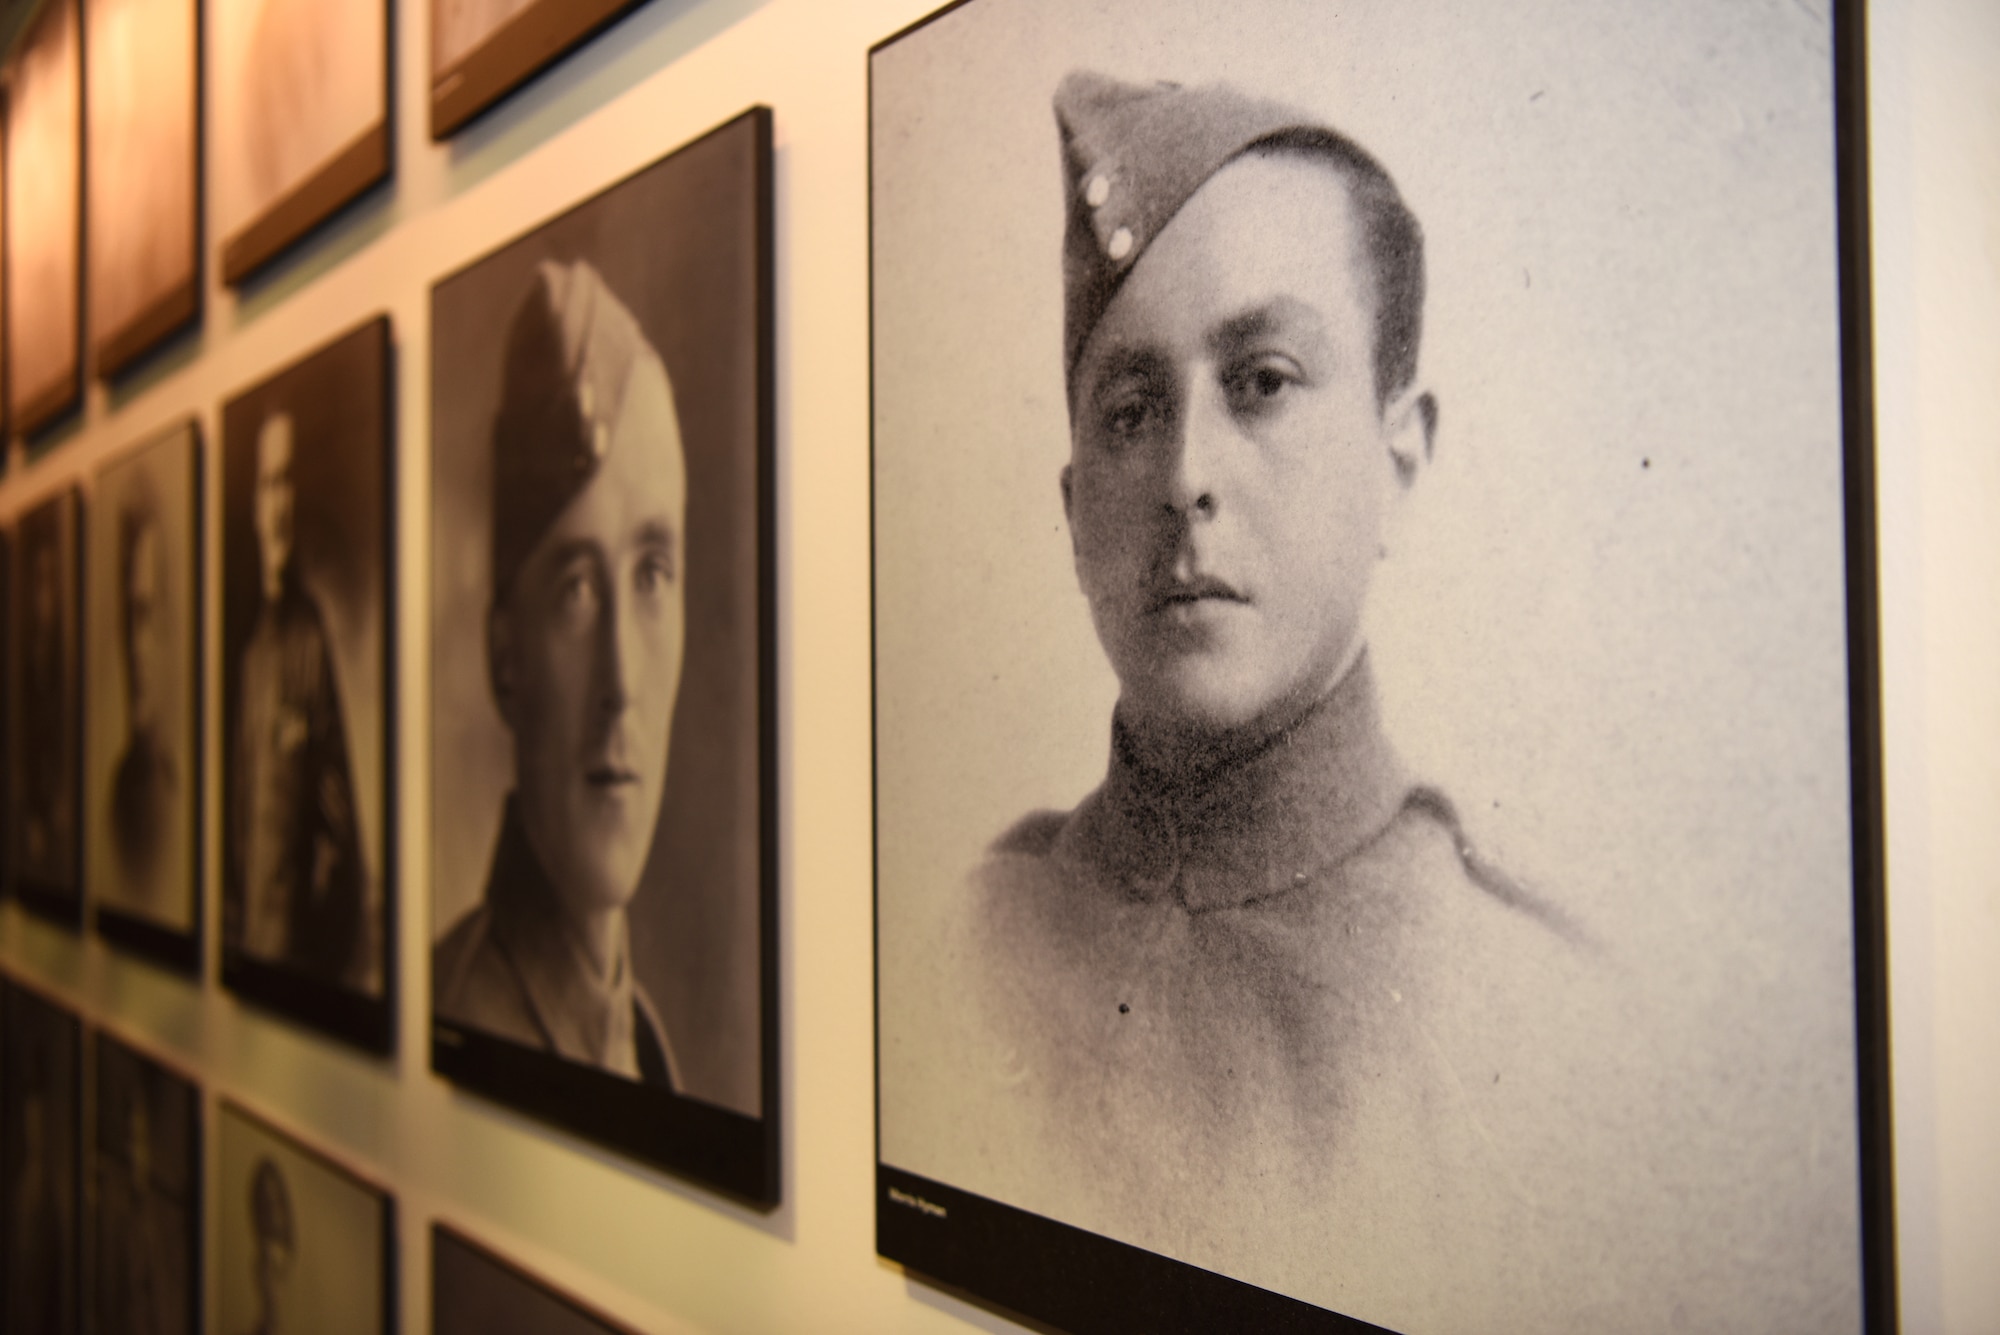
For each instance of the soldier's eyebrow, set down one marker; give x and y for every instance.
(657, 533)
(1124, 365)
(1282, 314)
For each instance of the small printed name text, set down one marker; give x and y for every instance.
(930, 1208)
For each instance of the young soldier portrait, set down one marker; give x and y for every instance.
(1351, 945)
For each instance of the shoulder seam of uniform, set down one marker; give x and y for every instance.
(1503, 887)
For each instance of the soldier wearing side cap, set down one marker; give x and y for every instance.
(1257, 1001)
(585, 638)
(296, 890)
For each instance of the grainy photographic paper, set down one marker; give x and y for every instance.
(600, 640)
(303, 1246)
(45, 710)
(1362, 666)
(146, 1226)
(305, 548)
(44, 199)
(143, 91)
(301, 118)
(41, 1112)
(142, 780)
(475, 1292)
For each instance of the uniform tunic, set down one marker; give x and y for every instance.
(298, 887)
(1279, 1019)
(514, 968)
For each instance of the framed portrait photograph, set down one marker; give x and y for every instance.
(308, 917)
(45, 710)
(303, 1244)
(481, 50)
(603, 712)
(142, 685)
(301, 119)
(475, 1291)
(143, 92)
(44, 217)
(41, 1113)
(145, 1201)
(1377, 808)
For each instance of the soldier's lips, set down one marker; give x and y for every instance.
(1185, 599)
(610, 776)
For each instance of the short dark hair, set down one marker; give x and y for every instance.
(1391, 237)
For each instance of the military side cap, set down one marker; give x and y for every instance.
(1133, 154)
(570, 354)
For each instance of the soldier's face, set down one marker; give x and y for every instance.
(274, 501)
(144, 628)
(1230, 466)
(587, 658)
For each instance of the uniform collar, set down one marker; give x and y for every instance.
(1266, 821)
(585, 1015)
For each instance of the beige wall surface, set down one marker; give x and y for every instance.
(667, 1256)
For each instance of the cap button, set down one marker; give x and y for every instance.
(1120, 244)
(1097, 191)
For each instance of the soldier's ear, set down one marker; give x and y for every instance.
(501, 666)
(1409, 422)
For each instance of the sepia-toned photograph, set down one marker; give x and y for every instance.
(44, 202)
(142, 779)
(143, 93)
(303, 1246)
(305, 772)
(481, 50)
(41, 1095)
(474, 1291)
(1367, 825)
(145, 1206)
(45, 710)
(603, 869)
(301, 119)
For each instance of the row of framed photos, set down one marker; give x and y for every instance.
(105, 149)
(602, 875)
(107, 1159)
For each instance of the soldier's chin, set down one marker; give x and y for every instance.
(1198, 696)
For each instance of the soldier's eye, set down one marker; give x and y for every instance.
(576, 593)
(1255, 385)
(655, 572)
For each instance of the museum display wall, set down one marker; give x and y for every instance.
(794, 1248)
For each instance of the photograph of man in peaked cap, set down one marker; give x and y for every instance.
(599, 875)
(1386, 950)
(306, 882)
(585, 641)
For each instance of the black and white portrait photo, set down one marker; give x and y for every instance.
(475, 1292)
(44, 202)
(600, 644)
(146, 1195)
(41, 1063)
(141, 780)
(305, 537)
(143, 92)
(301, 119)
(1362, 665)
(46, 701)
(303, 1246)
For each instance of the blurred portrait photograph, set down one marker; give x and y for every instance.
(145, 1162)
(303, 1246)
(305, 546)
(301, 119)
(142, 780)
(41, 1113)
(1362, 709)
(600, 645)
(143, 96)
(474, 1291)
(44, 201)
(45, 710)
(481, 50)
